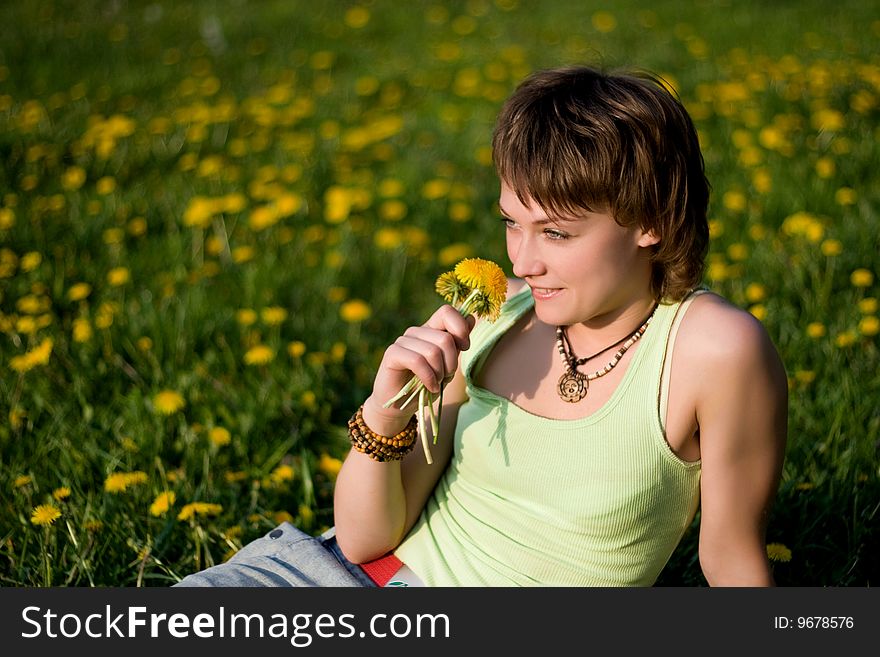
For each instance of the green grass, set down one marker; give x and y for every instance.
(272, 99)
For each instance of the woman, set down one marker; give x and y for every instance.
(611, 400)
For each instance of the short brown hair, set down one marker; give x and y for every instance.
(575, 139)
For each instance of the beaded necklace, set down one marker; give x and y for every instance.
(573, 385)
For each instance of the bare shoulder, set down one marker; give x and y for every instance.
(722, 340)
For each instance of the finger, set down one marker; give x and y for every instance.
(446, 318)
(424, 360)
(447, 344)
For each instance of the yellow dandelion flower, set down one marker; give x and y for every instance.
(296, 349)
(805, 485)
(451, 288)
(816, 330)
(118, 276)
(282, 473)
(355, 310)
(868, 305)
(144, 344)
(273, 315)
(82, 330)
(35, 357)
(7, 218)
(309, 400)
(119, 482)
(259, 355)
(831, 247)
(30, 261)
(869, 325)
(778, 552)
(105, 185)
(79, 291)
(861, 278)
(162, 503)
(93, 525)
(242, 254)
(234, 477)
(45, 514)
(735, 201)
(845, 339)
(168, 402)
(392, 210)
(306, 514)
(805, 377)
(604, 21)
(245, 316)
(759, 311)
(845, 196)
(282, 516)
(329, 465)
(21, 481)
(220, 436)
(755, 292)
(453, 253)
(199, 509)
(61, 493)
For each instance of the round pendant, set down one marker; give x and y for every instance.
(573, 386)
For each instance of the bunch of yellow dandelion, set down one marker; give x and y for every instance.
(474, 287)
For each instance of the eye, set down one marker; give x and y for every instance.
(508, 223)
(556, 234)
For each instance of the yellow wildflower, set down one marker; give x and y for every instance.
(220, 436)
(39, 355)
(119, 482)
(831, 247)
(282, 473)
(778, 552)
(245, 316)
(82, 330)
(296, 349)
(273, 315)
(869, 325)
(861, 278)
(845, 339)
(168, 402)
(45, 514)
(354, 310)
(755, 292)
(79, 291)
(816, 330)
(73, 178)
(61, 493)
(329, 465)
(162, 503)
(868, 305)
(21, 481)
(118, 276)
(199, 509)
(259, 355)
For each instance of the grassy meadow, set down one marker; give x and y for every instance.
(214, 217)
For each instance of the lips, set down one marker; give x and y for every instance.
(545, 292)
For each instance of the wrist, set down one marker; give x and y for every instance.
(384, 421)
(382, 448)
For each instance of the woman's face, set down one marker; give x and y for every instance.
(584, 269)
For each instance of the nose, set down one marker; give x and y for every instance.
(525, 257)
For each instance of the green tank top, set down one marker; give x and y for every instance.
(533, 501)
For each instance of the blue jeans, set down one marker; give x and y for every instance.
(285, 556)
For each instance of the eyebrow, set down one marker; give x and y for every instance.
(541, 222)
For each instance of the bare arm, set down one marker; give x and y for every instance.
(376, 504)
(742, 413)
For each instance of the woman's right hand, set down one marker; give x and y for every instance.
(429, 352)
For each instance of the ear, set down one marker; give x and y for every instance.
(648, 238)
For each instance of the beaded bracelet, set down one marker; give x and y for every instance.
(381, 448)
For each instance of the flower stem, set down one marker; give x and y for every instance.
(423, 430)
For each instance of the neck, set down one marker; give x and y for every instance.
(602, 330)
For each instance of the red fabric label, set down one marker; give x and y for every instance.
(381, 570)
